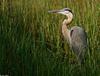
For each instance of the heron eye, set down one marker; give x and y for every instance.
(67, 12)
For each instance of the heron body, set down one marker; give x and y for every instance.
(78, 41)
(76, 36)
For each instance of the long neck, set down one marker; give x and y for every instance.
(69, 18)
(65, 30)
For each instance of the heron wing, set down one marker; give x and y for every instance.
(78, 40)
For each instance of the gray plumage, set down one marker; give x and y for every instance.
(78, 41)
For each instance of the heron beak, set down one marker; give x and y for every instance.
(58, 11)
(55, 11)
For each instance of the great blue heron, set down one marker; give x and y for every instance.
(76, 36)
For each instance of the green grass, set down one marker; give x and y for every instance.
(31, 42)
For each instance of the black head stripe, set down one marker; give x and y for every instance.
(67, 9)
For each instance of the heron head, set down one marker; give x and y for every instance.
(65, 11)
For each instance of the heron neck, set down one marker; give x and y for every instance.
(69, 18)
(66, 32)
